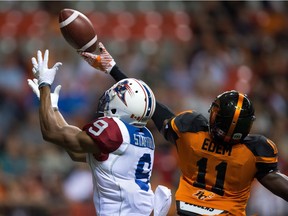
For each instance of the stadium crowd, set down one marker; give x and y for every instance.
(191, 51)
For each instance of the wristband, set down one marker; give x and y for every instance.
(44, 84)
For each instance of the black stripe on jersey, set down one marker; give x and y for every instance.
(191, 122)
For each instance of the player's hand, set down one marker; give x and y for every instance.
(54, 96)
(34, 86)
(41, 71)
(103, 62)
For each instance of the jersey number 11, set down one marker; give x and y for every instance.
(221, 171)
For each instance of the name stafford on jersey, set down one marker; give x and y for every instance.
(143, 141)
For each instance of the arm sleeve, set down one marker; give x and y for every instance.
(117, 74)
(161, 112)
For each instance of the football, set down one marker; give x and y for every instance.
(77, 30)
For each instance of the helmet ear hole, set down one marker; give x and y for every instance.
(113, 111)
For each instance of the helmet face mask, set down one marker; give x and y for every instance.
(130, 100)
(231, 117)
(103, 101)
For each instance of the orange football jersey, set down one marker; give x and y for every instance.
(217, 176)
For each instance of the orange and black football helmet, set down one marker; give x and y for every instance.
(231, 117)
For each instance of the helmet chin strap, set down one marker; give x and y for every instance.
(235, 118)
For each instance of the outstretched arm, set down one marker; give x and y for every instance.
(277, 183)
(105, 62)
(79, 157)
(53, 129)
(57, 131)
(161, 112)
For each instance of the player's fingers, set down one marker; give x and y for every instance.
(35, 71)
(39, 57)
(29, 82)
(34, 87)
(87, 54)
(57, 89)
(35, 81)
(57, 65)
(83, 54)
(101, 47)
(46, 57)
(34, 62)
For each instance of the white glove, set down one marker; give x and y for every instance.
(54, 96)
(103, 62)
(41, 71)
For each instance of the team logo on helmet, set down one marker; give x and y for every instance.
(237, 136)
(121, 89)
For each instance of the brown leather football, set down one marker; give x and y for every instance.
(77, 30)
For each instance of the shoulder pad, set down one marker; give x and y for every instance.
(261, 146)
(191, 122)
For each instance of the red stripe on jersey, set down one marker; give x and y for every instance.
(106, 134)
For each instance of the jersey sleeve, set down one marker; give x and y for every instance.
(106, 134)
(161, 113)
(188, 121)
(266, 154)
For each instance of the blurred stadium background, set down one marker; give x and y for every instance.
(187, 51)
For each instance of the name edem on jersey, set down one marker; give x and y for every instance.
(209, 145)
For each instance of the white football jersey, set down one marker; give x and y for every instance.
(121, 175)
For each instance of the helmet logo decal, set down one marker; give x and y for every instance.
(238, 109)
(121, 89)
(237, 136)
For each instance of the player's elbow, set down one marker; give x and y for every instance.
(49, 131)
(78, 158)
(48, 134)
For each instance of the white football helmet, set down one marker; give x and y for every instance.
(130, 100)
